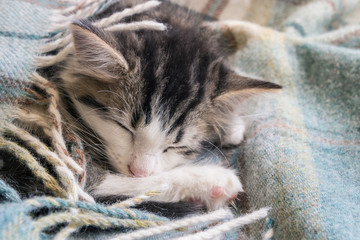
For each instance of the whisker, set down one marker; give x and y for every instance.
(218, 149)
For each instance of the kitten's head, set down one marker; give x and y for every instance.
(152, 97)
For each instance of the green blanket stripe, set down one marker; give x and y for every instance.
(22, 35)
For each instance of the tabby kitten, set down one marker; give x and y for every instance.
(149, 102)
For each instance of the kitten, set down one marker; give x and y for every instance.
(147, 103)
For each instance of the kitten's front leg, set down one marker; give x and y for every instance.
(213, 185)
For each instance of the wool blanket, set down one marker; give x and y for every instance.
(301, 154)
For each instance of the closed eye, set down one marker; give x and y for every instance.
(91, 102)
(122, 126)
(176, 148)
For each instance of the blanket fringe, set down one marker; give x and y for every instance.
(218, 230)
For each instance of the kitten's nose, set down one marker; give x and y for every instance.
(138, 172)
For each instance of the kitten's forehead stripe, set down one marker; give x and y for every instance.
(179, 136)
(177, 70)
(178, 122)
(198, 96)
(149, 77)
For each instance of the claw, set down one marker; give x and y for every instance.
(195, 200)
(232, 197)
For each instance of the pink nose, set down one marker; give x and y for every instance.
(138, 172)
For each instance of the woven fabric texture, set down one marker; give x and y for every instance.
(301, 154)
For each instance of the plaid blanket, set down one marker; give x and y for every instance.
(301, 155)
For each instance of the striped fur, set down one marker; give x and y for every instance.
(151, 99)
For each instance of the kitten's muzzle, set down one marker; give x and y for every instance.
(138, 172)
(143, 165)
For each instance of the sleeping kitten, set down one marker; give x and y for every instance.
(149, 102)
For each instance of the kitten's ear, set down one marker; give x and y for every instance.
(95, 50)
(235, 88)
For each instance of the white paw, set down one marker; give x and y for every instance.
(214, 186)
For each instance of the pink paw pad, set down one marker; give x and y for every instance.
(217, 192)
